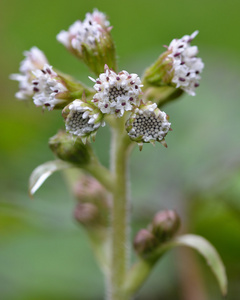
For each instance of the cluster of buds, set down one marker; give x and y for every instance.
(163, 227)
(119, 94)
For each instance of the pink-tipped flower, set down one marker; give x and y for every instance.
(90, 40)
(186, 66)
(34, 59)
(48, 88)
(179, 66)
(116, 92)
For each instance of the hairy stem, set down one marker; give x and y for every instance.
(120, 212)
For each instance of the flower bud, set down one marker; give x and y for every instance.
(144, 242)
(86, 214)
(165, 224)
(91, 41)
(68, 149)
(88, 190)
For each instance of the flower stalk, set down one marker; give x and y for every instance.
(120, 211)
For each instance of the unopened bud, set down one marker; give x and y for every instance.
(70, 149)
(89, 190)
(144, 242)
(165, 224)
(86, 214)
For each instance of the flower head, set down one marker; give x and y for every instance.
(148, 124)
(116, 93)
(47, 87)
(86, 32)
(186, 66)
(34, 59)
(90, 40)
(82, 119)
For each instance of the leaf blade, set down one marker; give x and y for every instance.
(211, 255)
(42, 172)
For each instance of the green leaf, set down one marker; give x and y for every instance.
(42, 172)
(209, 253)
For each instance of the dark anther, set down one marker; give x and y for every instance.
(35, 89)
(182, 79)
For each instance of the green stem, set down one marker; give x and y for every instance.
(141, 270)
(102, 174)
(120, 212)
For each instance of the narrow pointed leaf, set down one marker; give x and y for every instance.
(42, 172)
(209, 253)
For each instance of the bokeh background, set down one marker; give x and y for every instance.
(43, 252)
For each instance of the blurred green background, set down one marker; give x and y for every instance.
(43, 253)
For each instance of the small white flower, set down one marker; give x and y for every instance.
(185, 65)
(35, 59)
(46, 86)
(116, 93)
(82, 119)
(87, 32)
(148, 124)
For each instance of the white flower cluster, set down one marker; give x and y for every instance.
(116, 93)
(35, 59)
(46, 86)
(185, 64)
(148, 124)
(87, 32)
(82, 119)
